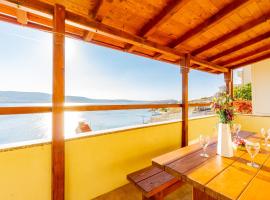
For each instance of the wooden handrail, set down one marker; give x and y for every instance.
(47, 109)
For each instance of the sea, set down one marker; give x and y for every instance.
(25, 127)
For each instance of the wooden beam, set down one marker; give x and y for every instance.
(228, 77)
(185, 66)
(119, 107)
(254, 60)
(210, 22)
(207, 64)
(24, 110)
(172, 7)
(58, 144)
(88, 36)
(249, 25)
(230, 61)
(88, 24)
(94, 12)
(22, 16)
(238, 47)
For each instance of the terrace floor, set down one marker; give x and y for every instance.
(130, 192)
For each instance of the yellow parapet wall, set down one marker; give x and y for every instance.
(253, 122)
(94, 164)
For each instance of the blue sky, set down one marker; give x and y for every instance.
(92, 71)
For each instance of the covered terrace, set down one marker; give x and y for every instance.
(211, 36)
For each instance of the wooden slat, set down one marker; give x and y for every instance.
(249, 25)
(190, 161)
(58, 145)
(143, 174)
(246, 55)
(172, 156)
(259, 186)
(251, 61)
(233, 180)
(210, 22)
(247, 43)
(156, 183)
(22, 16)
(166, 13)
(184, 71)
(201, 175)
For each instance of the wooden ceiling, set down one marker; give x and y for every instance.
(219, 34)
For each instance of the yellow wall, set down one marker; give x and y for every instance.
(94, 164)
(25, 173)
(253, 123)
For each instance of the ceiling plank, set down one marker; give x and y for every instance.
(166, 13)
(89, 24)
(210, 22)
(254, 60)
(246, 55)
(249, 25)
(240, 46)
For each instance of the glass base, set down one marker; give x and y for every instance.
(254, 165)
(205, 155)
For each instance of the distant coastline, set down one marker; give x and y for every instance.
(39, 97)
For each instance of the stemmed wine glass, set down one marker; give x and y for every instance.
(236, 129)
(204, 141)
(253, 149)
(266, 136)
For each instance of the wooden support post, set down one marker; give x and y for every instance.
(185, 64)
(58, 145)
(228, 77)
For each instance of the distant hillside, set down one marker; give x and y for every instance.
(38, 97)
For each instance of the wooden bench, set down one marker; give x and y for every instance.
(154, 183)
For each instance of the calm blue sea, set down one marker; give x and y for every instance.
(18, 128)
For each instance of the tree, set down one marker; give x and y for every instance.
(243, 92)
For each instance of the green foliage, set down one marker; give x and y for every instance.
(243, 92)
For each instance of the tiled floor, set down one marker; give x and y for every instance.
(130, 192)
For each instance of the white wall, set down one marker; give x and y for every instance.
(261, 87)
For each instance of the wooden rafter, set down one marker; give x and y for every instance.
(89, 24)
(94, 12)
(246, 55)
(210, 22)
(251, 61)
(247, 43)
(249, 25)
(22, 16)
(166, 13)
(207, 24)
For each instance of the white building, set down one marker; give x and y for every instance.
(258, 75)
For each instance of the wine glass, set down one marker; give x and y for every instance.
(204, 141)
(263, 134)
(253, 149)
(235, 129)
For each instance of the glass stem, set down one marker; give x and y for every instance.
(204, 151)
(252, 161)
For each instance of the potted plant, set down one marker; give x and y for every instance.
(223, 107)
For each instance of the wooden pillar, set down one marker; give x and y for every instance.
(58, 145)
(228, 77)
(185, 64)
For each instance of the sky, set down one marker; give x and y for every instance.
(92, 71)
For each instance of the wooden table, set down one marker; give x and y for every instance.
(217, 177)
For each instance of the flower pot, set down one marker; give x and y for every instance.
(224, 144)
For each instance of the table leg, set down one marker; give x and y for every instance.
(200, 195)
